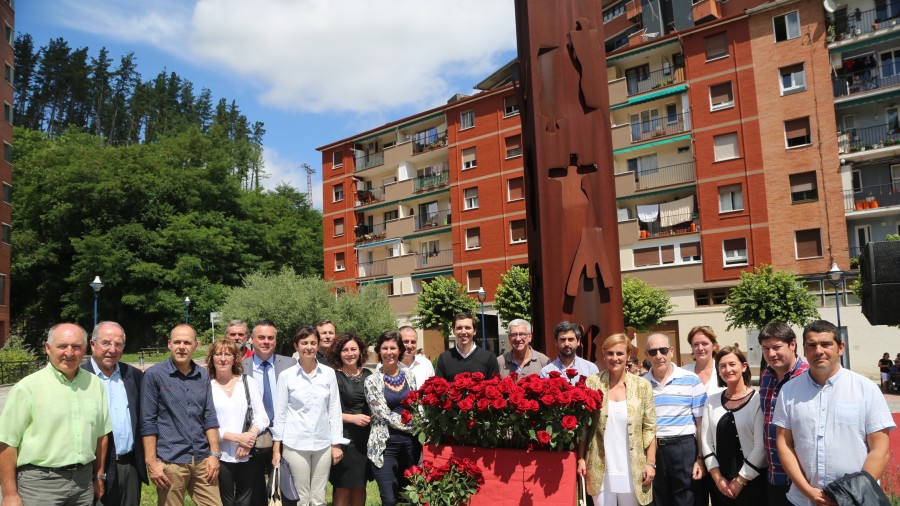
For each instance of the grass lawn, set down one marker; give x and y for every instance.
(135, 358)
(148, 496)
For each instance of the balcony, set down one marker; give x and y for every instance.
(370, 196)
(872, 197)
(686, 223)
(429, 142)
(369, 160)
(654, 80)
(861, 22)
(869, 81)
(633, 9)
(660, 127)
(858, 140)
(431, 182)
(366, 233)
(441, 258)
(706, 10)
(664, 176)
(369, 269)
(433, 220)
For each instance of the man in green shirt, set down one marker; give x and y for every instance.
(53, 429)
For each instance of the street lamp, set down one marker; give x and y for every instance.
(187, 306)
(96, 285)
(836, 277)
(481, 296)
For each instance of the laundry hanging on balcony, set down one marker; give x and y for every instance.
(673, 213)
(648, 213)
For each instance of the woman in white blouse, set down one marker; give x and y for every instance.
(733, 437)
(308, 431)
(232, 393)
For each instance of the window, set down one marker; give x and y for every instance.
(735, 251)
(8, 112)
(2, 289)
(339, 262)
(514, 146)
(338, 227)
(787, 26)
(856, 177)
(624, 214)
(720, 96)
(517, 231)
(6, 234)
(337, 159)
(9, 35)
(7, 193)
(643, 166)
(8, 73)
(716, 46)
(690, 252)
(473, 279)
(804, 187)
(471, 198)
(895, 178)
(671, 114)
(468, 158)
(710, 297)
(684, 149)
(337, 192)
(394, 250)
(613, 12)
(8, 152)
(466, 119)
(809, 243)
(391, 215)
(473, 238)
(793, 78)
(731, 198)
(637, 79)
(516, 188)
(644, 257)
(796, 132)
(726, 146)
(510, 106)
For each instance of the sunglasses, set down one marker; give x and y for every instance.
(664, 350)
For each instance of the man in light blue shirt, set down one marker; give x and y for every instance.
(567, 362)
(841, 419)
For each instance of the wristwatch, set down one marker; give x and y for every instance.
(217, 455)
(651, 465)
(101, 476)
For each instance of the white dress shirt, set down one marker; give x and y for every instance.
(231, 412)
(308, 409)
(421, 368)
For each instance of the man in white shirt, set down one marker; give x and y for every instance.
(418, 365)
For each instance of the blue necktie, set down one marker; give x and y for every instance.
(267, 392)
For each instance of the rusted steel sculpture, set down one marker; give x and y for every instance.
(573, 240)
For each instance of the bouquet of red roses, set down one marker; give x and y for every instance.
(526, 412)
(451, 484)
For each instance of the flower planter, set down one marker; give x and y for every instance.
(514, 476)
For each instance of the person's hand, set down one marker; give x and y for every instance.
(98, 488)
(734, 488)
(581, 467)
(241, 452)
(337, 453)
(156, 471)
(360, 420)
(647, 475)
(246, 439)
(276, 459)
(11, 500)
(820, 499)
(212, 469)
(722, 485)
(699, 470)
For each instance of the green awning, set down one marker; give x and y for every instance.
(426, 234)
(377, 243)
(644, 48)
(376, 281)
(654, 143)
(868, 99)
(865, 43)
(653, 194)
(638, 99)
(432, 274)
(405, 199)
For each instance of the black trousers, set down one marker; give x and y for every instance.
(126, 491)
(674, 467)
(262, 466)
(236, 481)
(777, 494)
(401, 452)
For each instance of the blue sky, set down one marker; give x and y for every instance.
(314, 71)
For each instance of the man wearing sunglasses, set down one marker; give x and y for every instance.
(680, 397)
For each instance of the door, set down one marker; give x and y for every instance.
(863, 237)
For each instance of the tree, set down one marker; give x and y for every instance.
(291, 300)
(513, 299)
(643, 305)
(439, 302)
(766, 295)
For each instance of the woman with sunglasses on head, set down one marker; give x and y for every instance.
(733, 435)
(617, 454)
(232, 399)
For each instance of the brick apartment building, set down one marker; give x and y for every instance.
(741, 137)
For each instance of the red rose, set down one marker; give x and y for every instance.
(477, 376)
(411, 398)
(543, 437)
(555, 374)
(455, 395)
(492, 392)
(548, 400)
(470, 424)
(499, 403)
(571, 373)
(533, 406)
(466, 404)
(569, 422)
(412, 471)
(405, 416)
(483, 404)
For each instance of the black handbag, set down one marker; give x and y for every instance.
(248, 418)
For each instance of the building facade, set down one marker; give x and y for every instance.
(7, 16)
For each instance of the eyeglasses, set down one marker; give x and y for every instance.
(223, 354)
(520, 334)
(107, 345)
(664, 350)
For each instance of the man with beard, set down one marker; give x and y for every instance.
(521, 358)
(567, 361)
(418, 365)
(237, 331)
(466, 356)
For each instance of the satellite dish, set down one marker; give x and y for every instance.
(829, 5)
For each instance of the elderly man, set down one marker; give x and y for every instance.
(125, 467)
(466, 356)
(53, 429)
(237, 331)
(680, 397)
(265, 366)
(417, 364)
(180, 427)
(841, 419)
(521, 357)
(567, 361)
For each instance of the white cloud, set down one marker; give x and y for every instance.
(161, 23)
(282, 170)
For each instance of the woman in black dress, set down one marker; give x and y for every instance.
(349, 476)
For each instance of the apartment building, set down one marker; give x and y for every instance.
(7, 17)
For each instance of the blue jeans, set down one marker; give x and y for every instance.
(401, 452)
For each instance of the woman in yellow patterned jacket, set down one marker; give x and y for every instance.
(617, 454)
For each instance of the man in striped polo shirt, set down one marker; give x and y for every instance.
(679, 396)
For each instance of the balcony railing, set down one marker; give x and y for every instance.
(858, 23)
(428, 142)
(369, 160)
(430, 182)
(431, 220)
(654, 80)
(367, 233)
(668, 125)
(872, 197)
(664, 176)
(860, 81)
(369, 196)
(684, 224)
(863, 139)
(440, 258)
(369, 269)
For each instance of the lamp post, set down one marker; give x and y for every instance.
(96, 285)
(836, 276)
(482, 295)
(187, 310)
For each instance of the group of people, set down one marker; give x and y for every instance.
(85, 431)
(890, 372)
